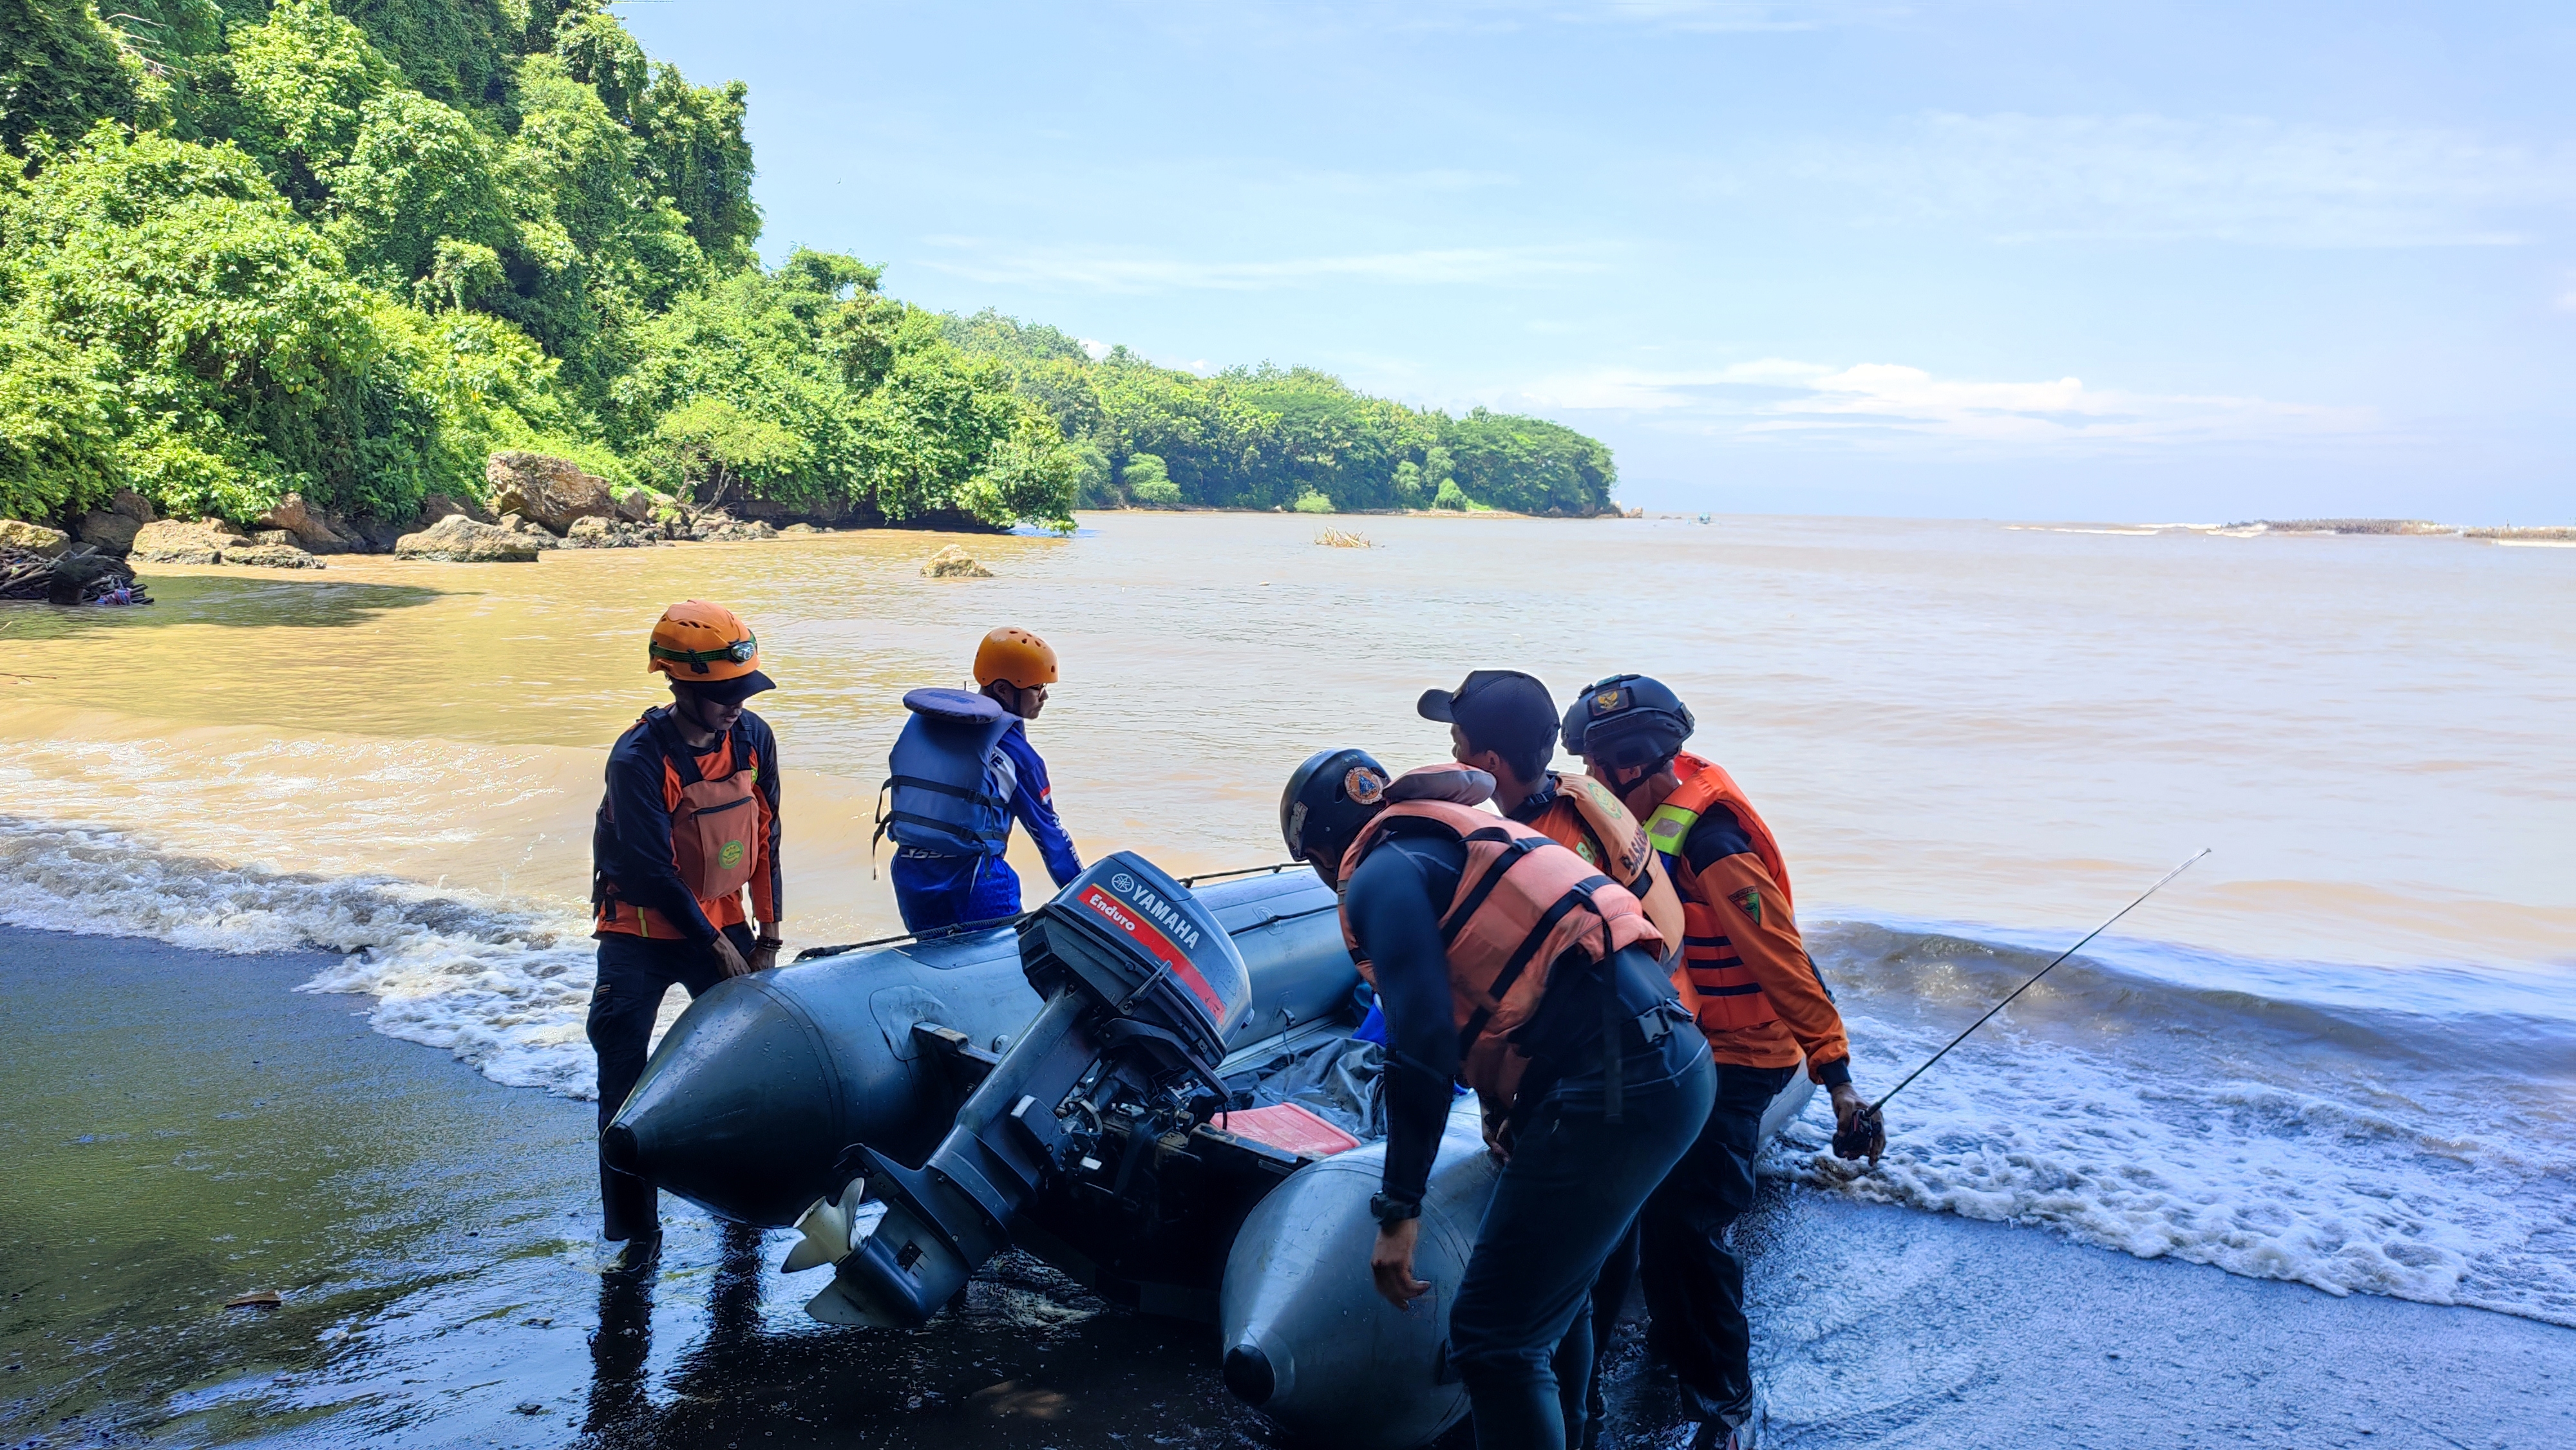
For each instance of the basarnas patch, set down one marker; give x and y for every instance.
(1749, 901)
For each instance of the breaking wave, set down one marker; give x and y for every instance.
(2359, 1130)
(503, 987)
(2133, 1104)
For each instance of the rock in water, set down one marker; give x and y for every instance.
(110, 531)
(34, 538)
(534, 533)
(798, 530)
(598, 533)
(724, 528)
(954, 562)
(265, 554)
(305, 527)
(436, 506)
(185, 541)
(457, 539)
(551, 491)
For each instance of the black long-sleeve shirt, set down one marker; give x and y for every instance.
(632, 843)
(1395, 901)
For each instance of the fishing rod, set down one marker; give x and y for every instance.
(2034, 981)
(816, 954)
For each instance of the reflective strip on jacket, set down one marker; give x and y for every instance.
(1755, 992)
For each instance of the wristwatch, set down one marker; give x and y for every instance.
(1392, 1211)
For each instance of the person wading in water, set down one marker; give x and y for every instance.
(1505, 960)
(962, 771)
(689, 823)
(1759, 1002)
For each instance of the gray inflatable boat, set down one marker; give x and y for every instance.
(1062, 1086)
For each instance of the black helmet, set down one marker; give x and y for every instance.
(1329, 798)
(1627, 721)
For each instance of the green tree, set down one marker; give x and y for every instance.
(419, 174)
(302, 78)
(60, 71)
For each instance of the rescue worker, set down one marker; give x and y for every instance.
(1504, 960)
(689, 822)
(1761, 1005)
(1505, 724)
(961, 773)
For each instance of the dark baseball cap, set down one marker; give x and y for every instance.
(1501, 710)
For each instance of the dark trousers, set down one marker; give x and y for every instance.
(1694, 1282)
(634, 972)
(1519, 1334)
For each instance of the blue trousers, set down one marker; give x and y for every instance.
(1520, 1333)
(934, 892)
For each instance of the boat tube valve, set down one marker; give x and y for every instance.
(1141, 988)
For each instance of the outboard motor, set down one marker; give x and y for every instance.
(1141, 988)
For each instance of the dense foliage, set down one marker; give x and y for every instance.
(1281, 438)
(347, 248)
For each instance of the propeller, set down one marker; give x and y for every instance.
(826, 1230)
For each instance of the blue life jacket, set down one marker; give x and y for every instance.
(950, 778)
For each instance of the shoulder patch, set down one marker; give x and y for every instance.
(1749, 901)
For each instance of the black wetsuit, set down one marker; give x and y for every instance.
(1518, 1335)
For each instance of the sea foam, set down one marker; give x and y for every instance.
(2348, 1150)
(2140, 1099)
(502, 986)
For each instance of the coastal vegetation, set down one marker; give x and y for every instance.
(345, 252)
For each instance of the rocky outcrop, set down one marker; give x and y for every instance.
(438, 506)
(111, 530)
(545, 489)
(309, 528)
(33, 538)
(599, 533)
(541, 538)
(799, 531)
(270, 555)
(954, 563)
(456, 539)
(723, 528)
(185, 541)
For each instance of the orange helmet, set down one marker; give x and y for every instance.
(699, 643)
(1017, 656)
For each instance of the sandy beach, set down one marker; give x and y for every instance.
(186, 1127)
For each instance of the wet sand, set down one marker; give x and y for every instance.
(182, 1127)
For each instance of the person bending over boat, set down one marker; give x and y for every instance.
(961, 772)
(1505, 960)
(1760, 1003)
(688, 824)
(1504, 723)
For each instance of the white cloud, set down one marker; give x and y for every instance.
(1095, 347)
(1104, 271)
(2155, 178)
(1889, 404)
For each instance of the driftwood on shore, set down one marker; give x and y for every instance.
(79, 576)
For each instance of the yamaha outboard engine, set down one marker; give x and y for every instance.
(1141, 988)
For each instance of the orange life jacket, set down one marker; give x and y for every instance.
(715, 830)
(1588, 820)
(1523, 903)
(1720, 990)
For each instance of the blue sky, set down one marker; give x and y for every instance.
(2076, 260)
